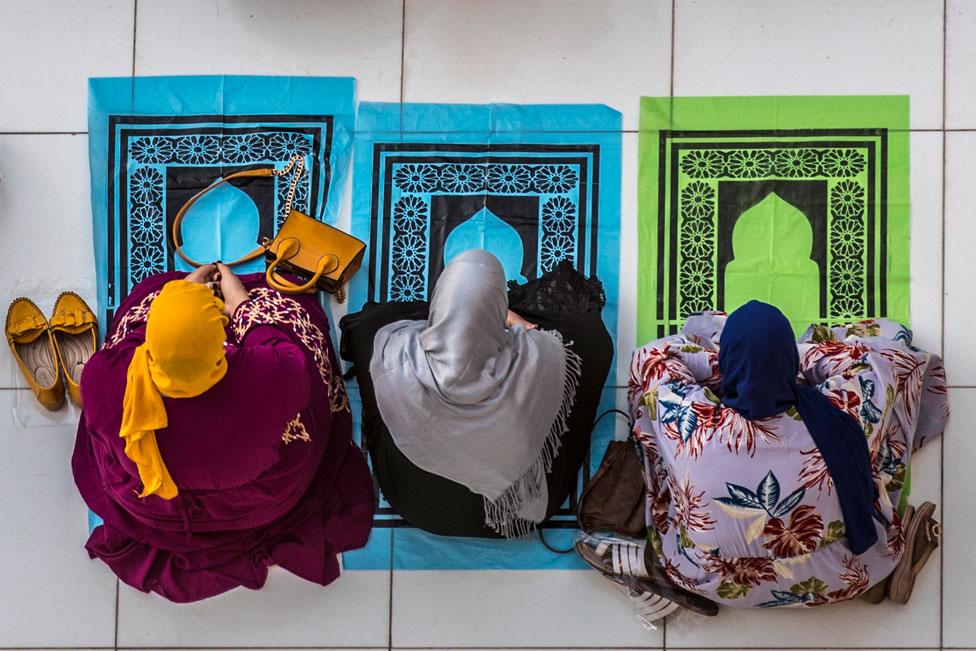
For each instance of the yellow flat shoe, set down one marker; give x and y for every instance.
(75, 330)
(32, 345)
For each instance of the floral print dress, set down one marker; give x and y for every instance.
(745, 512)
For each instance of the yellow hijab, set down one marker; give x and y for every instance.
(182, 357)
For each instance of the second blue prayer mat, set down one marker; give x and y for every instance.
(532, 184)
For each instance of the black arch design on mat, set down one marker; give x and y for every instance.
(320, 128)
(385, 155)
(875, 141)
(736, 197)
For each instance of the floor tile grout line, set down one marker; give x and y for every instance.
(671, 74)
(944, 179)
(945, 67)
(591, 131)
(43, 133)
(117, 591)
(664, 626)
(135, 29)
(671, 77)
(403, 49)
(689, 648)
(389, 610)
(482, 648)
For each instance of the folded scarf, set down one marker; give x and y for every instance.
(182, 357)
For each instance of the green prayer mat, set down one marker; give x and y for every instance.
(801, 202)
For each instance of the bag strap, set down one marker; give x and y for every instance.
(287, 249)
(296, 161)
(540, 527)
(588, 488)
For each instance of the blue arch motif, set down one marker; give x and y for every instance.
(485, 230)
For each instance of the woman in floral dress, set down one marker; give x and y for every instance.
(746, 512)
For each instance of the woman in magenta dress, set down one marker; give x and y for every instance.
(204, 485)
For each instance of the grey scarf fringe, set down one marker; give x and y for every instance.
(502, 514)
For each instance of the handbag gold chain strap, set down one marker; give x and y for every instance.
(298, 162)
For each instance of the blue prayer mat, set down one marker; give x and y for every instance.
(156, 141)
(532, 184)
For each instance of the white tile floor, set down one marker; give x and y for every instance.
(51, 595)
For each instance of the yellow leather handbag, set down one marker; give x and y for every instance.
(326, 256)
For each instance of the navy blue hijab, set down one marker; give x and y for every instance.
(759, 362)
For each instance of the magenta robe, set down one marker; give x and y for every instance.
(264, 461)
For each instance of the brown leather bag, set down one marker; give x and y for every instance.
(325, 255)
(613, 499)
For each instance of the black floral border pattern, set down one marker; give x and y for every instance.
(793, 162)
(558, 219)
(846, 275)
(146, 183)
(409, 248)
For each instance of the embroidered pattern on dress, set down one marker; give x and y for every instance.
(136, 316)
(295, 430)
(268, 307)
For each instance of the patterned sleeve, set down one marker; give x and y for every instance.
(669, 390)
(133, 319)
(267, 307)
(690, 357)
(872, 370)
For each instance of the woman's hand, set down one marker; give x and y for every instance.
(202, 275)
(206, 275)
(514, 319)
(231, 288)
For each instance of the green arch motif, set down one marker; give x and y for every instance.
(772, 245)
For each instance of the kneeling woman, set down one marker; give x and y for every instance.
(215, 439)
(765, 490)
(476, 420)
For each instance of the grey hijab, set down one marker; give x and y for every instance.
(468, 399)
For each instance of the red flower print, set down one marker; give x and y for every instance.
(845, 401)
(856, 578)
(660, 510)
(679, 579)
(800, 537)
(695, 444)
(890, 439)
(688, 510)
(815, 471)
(836, 357)
(650, 364)
(647, 440)
(895, 543)
(937, 380)
(732, 428)
(909, 373)
(744, 571)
